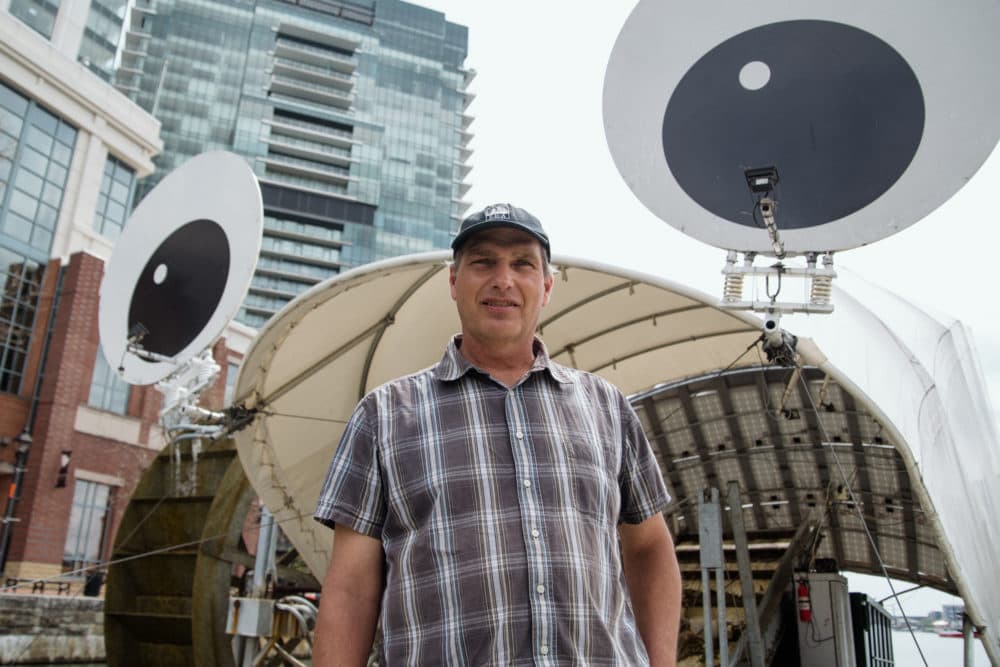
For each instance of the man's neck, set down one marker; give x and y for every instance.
(506, 363)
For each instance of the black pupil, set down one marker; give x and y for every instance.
(196, 260)
(840, 117)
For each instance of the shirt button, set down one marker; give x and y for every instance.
(527, 482)
(540, 589)
(535, 533)
(520, 436)
(544, 649)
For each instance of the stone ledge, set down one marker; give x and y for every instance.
(43, 628)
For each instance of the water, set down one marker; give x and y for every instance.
(939, 651)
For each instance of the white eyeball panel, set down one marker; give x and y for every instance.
(873, 114)
(182, 266)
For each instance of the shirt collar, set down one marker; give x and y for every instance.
(453, 365)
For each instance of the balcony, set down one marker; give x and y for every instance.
(139, 23)
(294, 182)
(313, 73)
(129, 70)
(145, 7)
(305, 238)
(272, 293)
(309, 169)
(311, 261)
(326, 36)
(297, 277)
(126, 88)
(310, 92)
(286, 48)
(257, 310)
(301, 129)
(310, 150)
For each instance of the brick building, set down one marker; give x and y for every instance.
(74, 506)
(71, 151)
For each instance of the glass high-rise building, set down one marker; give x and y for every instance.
(351, 113)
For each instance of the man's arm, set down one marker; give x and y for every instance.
(349, 605)
(654, 584)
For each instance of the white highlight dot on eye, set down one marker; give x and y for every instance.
(755, 75)
(160, 274)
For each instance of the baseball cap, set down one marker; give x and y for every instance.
(502, 215)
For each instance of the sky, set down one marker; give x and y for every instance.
(539, 144)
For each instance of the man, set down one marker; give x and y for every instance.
(497, 508)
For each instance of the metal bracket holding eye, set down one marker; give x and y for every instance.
(817, 280)
(761, 180)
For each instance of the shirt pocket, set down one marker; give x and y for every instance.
(594, 479)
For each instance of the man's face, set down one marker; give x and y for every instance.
(500, 283)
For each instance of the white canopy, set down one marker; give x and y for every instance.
(897, 417)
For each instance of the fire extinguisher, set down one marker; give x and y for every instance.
(805, 605)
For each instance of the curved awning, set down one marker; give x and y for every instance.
(310, 364)
(798, 441)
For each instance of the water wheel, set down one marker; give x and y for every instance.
(180, 552)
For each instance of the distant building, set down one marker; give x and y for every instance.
(352, 114)
(953, 614)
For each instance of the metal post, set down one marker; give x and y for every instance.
(968, 638)
(720, 595)
(264, 560)
(746, 576)
(245, 649)
(706, 608)
(710, 551)
(14, 495)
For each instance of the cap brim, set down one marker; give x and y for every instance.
(472, 230)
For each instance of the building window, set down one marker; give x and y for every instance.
(20, 282)
(88, 523)
(35, 152)
(102, 35)
(232, 370)
(107, 390)
(39, 15)
(115, 200)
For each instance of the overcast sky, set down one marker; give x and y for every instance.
(539, 143)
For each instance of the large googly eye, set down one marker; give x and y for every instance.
(872, 114)
(180, 287)
(182, 266)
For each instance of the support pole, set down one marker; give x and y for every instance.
(746, 576)
(968, 638)
(246, 650)
(706, 608)
(720, 596)
(710, 551)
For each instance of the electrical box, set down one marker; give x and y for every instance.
(827, 639)
(250, 617)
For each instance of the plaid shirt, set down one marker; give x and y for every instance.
(497, 510)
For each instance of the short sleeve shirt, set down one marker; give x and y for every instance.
(497, 509)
